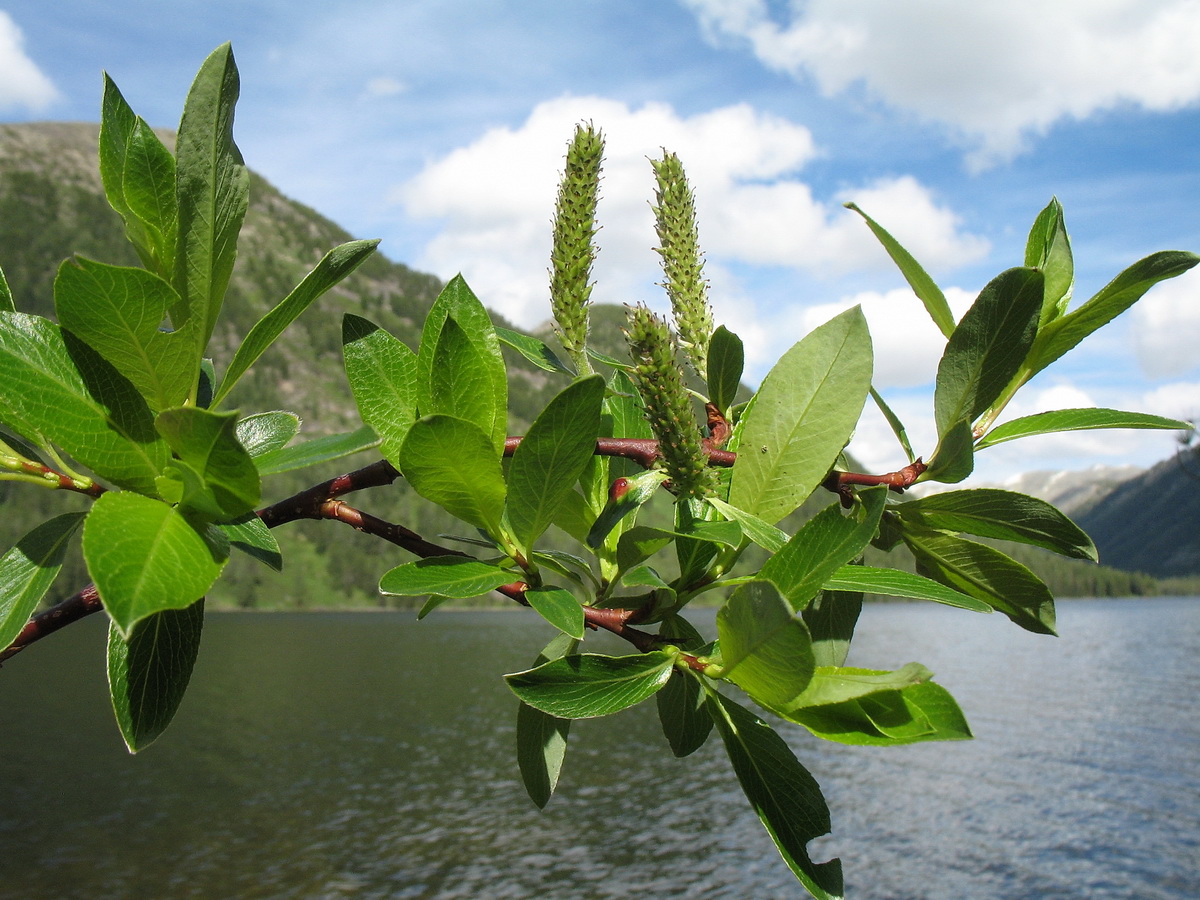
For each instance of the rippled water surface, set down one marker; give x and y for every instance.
(368, 755)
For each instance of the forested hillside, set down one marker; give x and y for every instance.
(52, 206)
(1151, 523)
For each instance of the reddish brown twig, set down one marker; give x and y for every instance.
(643, 451)
(719, 429)
(57, 480)
(308, 503)
(617, 621)
(320, 502)
(77, 606)
(898, 481)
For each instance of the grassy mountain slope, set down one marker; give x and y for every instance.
(52, 206)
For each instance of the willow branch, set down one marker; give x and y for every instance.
(77, 606)
(321, 502)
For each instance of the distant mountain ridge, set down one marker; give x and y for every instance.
(1150, 523)
(1071, 490)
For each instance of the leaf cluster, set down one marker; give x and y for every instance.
(660, 505)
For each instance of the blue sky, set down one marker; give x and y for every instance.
(440, 128)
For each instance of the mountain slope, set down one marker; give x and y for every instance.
(1150, 523)
(52, 205)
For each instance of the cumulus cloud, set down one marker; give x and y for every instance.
(1166, 328)
(495, 198)
(906, 343)
(22, 83)
(876, 447)
(993, 72)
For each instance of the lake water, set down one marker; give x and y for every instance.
(369, 755)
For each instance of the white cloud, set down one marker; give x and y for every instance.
(22, 83)
(496, 197)
(876, 447)
(1166, 328)
(995, 71)
(907, 344)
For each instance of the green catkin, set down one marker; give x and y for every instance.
(682, 261)
(668, 405)
(574, 248)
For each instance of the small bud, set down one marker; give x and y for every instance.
(618, 489)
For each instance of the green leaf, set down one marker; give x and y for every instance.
(566, 564)
(150, 190)
(985, 574)
(57, 388)
(828, 541)
(207, 441)
(765, 650)
(144, 557)
(781, 792)
(559, 608)
(618, 364)
(117, 311)
(551, 457)
(640, 543)
(1005, 515)
(1049, 250)
(920, 712)
(954, 458)
(837, 684)
(542, 738)
(149, 670)
(683, 715)
(766, 536)
(682, 711)
(923, 286)
(831, 618)
(988, 346)
(430, 605)
(266, 431)
(117, 126)
(315, 452)
(1113, 299)
(897, 426)
(802, 417)
(182, 486)
(6, 297)
(487, 373)
(726, 359)
(638, 491)
(452, 577)
(336, 265)
(589, 685)
(382, 372)
(895, 583)
(534, 350)
(624, 405)
(456, 465)
(28, 570)
(253, 538)
(459, 380)
(213, 192)
(1075, 420)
